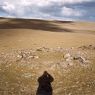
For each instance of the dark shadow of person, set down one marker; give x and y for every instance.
(45, 87)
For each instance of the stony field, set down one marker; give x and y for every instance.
(65, 49)
(73, 70)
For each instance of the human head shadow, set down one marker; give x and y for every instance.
(45, 87)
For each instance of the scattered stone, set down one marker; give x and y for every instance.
(44, 49)
(39, 49)
(35, 57)
(27, 75)
(90, 47)
(68, 57)
(81, 59)
(19, 56)
(26, 56)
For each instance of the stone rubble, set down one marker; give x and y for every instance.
(30, 65)
(69, 56)
(89, 47)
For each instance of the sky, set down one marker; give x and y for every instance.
(49, 9)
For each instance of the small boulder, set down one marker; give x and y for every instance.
(81, 59)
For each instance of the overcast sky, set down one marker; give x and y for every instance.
(49, 9)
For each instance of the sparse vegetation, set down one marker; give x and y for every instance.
(25, 53)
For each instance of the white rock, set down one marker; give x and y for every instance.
(19, 56)
(67, 56)
(36, 57)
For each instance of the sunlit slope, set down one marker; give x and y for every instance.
(26, 33)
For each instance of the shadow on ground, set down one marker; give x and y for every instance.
(45, 87)
(34, 24)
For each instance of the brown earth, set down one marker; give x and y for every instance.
(65, 49)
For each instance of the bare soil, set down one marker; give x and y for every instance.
(65, 49)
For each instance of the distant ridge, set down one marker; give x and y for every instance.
(61, 21)
(35, 24)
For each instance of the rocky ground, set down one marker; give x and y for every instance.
(73, 70)
(65, 49)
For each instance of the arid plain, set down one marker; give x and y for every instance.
(65, 49)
